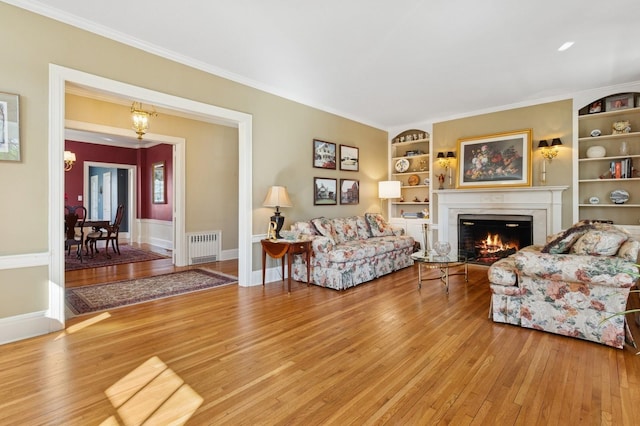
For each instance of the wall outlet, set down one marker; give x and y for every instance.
(79, 197)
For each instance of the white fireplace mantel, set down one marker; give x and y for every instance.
(544, 203)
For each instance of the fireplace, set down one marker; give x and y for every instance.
(486, 238)
(543, 203)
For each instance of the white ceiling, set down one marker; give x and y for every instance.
(384, 63)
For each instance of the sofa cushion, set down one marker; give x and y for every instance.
(600, 242)
(630, 250)
(325, 228)
(346, 229)
(563, 241)
(305, 228)
(377, 225)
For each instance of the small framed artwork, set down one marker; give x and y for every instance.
(9, 127)
(498, 160)
(325, 191)
(324, 154)
(349, 158)
(159, 181)
(618, 102)
(596, 107)
(349, 191)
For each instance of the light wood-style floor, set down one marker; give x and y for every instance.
(381, 353)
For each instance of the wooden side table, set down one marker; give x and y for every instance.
(277, 249)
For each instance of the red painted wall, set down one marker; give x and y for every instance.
(143, 158)
(146, 159)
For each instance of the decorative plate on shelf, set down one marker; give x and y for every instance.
(414, 180)
(619, 196)
(402, 165)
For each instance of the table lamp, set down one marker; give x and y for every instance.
(277, 197)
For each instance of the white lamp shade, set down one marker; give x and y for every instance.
(277, 197)
(389, 189)
(69, 156)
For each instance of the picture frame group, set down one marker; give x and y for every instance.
(497, 160)
(614, 103)
(327, 193)
(325, 156)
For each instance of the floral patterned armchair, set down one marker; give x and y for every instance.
(581, 277)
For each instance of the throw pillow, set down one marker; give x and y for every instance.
(377, 225)
(629, 250)
(563, 242)
(325, 228)
(346, 229)
(363, 228)
(598, 242)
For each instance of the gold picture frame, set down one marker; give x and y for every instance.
(497, 160)
(9, 127)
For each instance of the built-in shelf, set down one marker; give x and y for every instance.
(589, 183)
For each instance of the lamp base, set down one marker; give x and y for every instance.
(279, 221)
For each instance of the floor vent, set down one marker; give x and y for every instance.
(204, 246)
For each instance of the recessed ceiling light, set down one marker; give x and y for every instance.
(565, 46)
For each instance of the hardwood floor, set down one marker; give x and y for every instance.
(381, 353)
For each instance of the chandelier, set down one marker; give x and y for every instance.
(140, 118)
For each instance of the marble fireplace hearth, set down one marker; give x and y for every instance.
(543, 203)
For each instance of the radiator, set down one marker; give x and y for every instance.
(203, 246)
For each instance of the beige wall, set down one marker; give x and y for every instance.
(282, 138)
(548, 120)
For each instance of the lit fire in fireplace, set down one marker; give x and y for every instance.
(492, 248)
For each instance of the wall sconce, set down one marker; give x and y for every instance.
(69, 159)
(548, 152)
(277, 197)
(140, 118)
(444, 161)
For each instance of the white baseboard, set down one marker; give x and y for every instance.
(24, 326)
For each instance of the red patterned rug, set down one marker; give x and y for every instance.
(100, 297)
(127, 254)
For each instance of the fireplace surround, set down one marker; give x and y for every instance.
(542, 203)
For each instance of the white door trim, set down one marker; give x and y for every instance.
(58, 77)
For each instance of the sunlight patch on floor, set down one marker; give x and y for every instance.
(84, 324)
(152, 394)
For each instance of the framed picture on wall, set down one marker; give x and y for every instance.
(325, 191)
(158, 179)
(349, 158)
(324, 154)
(349, 191)
(9, 127)
(498, 160)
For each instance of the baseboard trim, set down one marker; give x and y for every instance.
(24, 326)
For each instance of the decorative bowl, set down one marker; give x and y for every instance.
(442, 248)
(596, 152)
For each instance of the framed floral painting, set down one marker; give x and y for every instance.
(498, 160)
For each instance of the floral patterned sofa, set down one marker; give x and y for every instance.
(352, 250)
(580, 277)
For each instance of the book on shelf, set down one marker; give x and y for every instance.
(621, 169)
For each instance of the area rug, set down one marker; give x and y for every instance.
(127, 254)
(100, 297)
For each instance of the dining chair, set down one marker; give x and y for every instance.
(108, 234)
(74, 219)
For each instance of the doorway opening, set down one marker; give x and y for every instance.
(59, 77)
